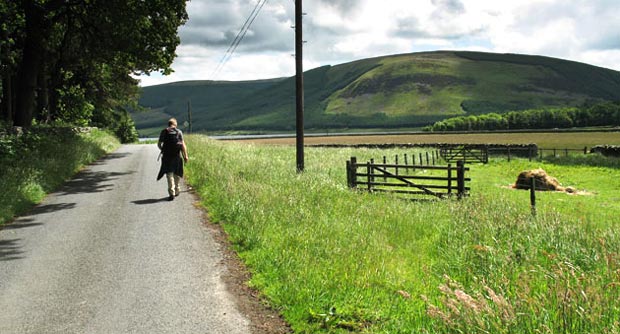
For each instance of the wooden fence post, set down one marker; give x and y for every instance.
(396, 163)
(385, 163)
(460, 178)
(533, 197)
(352, 172)
(406, 163)
(371, 179)
(585, 150)
(349, 177)
(449, 179)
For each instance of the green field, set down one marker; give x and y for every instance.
(549, 140)
(333, 260)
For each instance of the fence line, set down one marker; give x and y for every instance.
(365, 175)
(483, 151)
(559, 151)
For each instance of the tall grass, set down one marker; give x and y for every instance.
(36, 164)
(334, 260)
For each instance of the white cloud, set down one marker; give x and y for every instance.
(603, 58)
(563, 29)
(345, 30)
(259, 66)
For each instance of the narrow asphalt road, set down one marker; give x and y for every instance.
(108, 253)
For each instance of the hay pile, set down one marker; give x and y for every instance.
(543, 181)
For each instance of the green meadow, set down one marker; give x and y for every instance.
(334, 260)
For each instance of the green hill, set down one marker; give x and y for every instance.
(408, 90)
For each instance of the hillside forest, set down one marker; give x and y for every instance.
(406, 91)
(71, 62)
(600, 114)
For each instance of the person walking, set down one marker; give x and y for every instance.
(173, 153)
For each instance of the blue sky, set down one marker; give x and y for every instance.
(339, 31)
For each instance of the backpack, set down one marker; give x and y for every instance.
(171, 142)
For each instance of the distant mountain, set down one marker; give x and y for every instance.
(408, 90)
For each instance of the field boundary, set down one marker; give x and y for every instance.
(262, 135)
(466, 153)
(444, 182)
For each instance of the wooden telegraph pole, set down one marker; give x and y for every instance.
(299, 85)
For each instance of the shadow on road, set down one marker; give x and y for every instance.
(18, 225)
(47, 208)
(9, 250)
(111, 156)
(150, 201)
(90, 182)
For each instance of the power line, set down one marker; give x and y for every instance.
(240, 35)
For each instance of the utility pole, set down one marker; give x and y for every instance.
(299, 85)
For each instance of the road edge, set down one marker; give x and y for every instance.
(263, 318)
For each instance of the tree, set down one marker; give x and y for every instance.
(601, 114)
(604, 113)
(37, 28)
(81, 53)
(11, 26)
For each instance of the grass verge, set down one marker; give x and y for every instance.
(334, 260)
(36, 164)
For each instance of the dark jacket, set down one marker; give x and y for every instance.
(170, 163)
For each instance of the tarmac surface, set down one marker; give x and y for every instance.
(108, 253)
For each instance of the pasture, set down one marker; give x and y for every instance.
(334, 260)
(570, 140)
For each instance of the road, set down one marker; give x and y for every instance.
(108, 253)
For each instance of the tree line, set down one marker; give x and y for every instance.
(72, 61)
(600, 114)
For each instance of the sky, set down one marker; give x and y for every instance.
(340, 31)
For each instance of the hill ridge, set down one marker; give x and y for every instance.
(403, 90)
